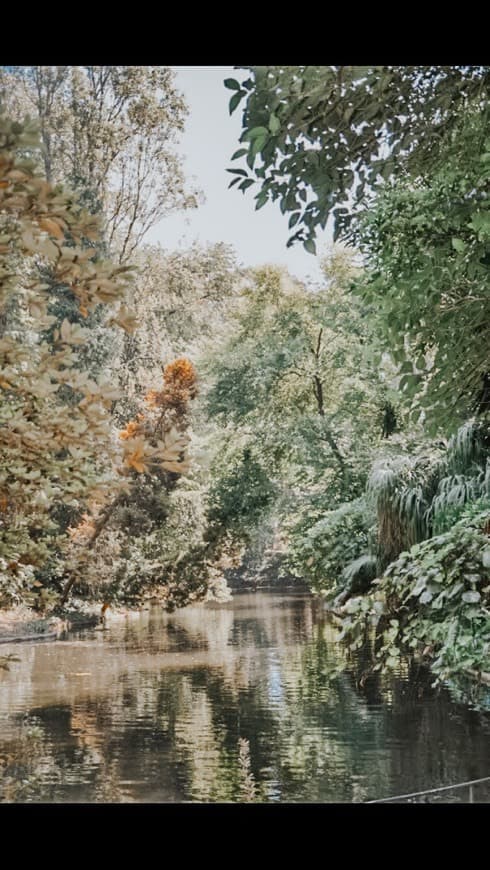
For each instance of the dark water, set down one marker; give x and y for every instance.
(253, 700)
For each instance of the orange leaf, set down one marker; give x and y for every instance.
(138, 466)
(52, 227)
(134, 460)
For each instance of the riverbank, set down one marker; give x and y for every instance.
(24, 624)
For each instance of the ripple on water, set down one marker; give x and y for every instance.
(255, 701)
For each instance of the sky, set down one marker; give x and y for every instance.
(211, 136)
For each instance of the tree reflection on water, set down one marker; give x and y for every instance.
(251, 701)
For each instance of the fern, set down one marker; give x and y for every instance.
(415, 496)
(467, 447)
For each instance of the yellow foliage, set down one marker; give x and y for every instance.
(134, 459)
(36, 424)
(52, 227)
(132, 429)
(156, 440)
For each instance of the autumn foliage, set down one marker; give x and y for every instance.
(157, 438)
(56, 440)
(179, 387)
(153, 443)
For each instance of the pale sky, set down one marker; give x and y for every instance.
(210, 138)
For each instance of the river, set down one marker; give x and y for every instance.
(254, 700)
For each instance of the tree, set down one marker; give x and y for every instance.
(54, 453)
(108, 132)
(180, 301)
(293, 387)
(120, 547)
(432, 602)
(326, 135)
(293, 377)
(406, 148)
(428, 248)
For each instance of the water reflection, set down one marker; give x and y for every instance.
(251, 701)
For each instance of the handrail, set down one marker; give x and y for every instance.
(399, 797)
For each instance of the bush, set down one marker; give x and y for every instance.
(319, 553)
(433, 601)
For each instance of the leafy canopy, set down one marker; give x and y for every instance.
(428, 246)
(317, 138)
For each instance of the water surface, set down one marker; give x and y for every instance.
(250, 701)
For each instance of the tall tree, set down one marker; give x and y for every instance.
(55, 452)
(293, 377)
(110, 133)
(428, 247)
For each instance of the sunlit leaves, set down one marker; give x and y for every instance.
(54, 452)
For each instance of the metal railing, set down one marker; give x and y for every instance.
(412, 797)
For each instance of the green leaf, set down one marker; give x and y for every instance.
(261, 199)
(458, 245)
(360, 72)
(293, 220)
(257, 145)
(235, 100)
(232, 84)
(471, 597)
(238, 172)
(243, 186)
(310, 246)
(274, 124)
(256, 132)
(426, 597)
(240, 153)
(455, 589)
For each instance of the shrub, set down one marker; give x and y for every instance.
(433, 601)
(320, 552)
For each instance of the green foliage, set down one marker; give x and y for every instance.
(397, 487)
(295, 382)
(434, 554)
(416, 490)
(148, 548)
(428, 247)
(241, 496)
(323, 551)
(293, 376)
(360, 573)
(325, 135)
(433, 602)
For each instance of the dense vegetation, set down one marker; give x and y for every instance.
(166, 416)
(403, 154)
